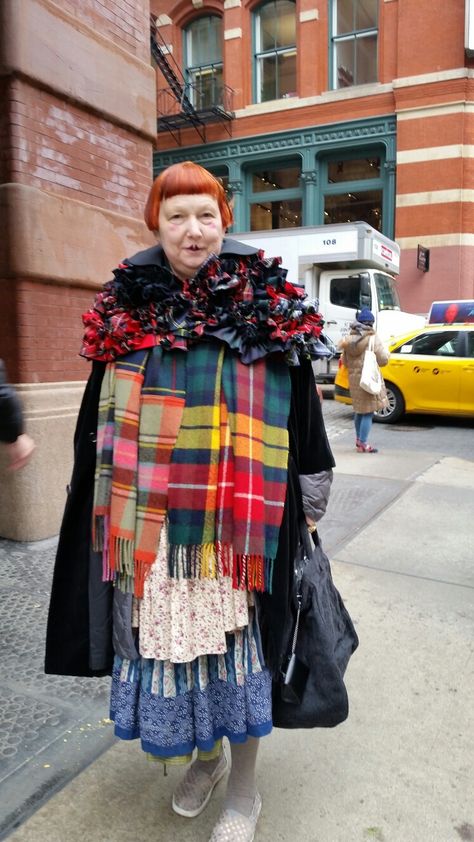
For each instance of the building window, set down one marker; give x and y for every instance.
(354, 42)
(275, 50)
(275, 196)
(353, 189)
(203, 62)
(365, 206)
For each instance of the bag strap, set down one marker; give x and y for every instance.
(298, 574)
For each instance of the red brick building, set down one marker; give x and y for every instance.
(338, 110)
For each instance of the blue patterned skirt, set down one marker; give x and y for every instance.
(174, 708)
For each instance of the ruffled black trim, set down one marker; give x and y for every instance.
(244, 301)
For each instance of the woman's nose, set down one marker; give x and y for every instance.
(193, 227)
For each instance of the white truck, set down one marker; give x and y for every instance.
(346, 267)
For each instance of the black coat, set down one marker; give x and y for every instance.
(79, 631)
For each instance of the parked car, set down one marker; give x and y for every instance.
(430, 370)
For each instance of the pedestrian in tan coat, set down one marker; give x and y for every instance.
(354, 346)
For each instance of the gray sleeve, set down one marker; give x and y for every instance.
(315, 489)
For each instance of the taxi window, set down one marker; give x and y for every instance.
(443, 344)
(470, 344)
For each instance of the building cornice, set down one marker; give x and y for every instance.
(330, 135)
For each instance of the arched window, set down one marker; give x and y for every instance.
(203, 61)
(275, 50)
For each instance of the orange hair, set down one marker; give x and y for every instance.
(186, 177)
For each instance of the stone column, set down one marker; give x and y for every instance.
(77, 123)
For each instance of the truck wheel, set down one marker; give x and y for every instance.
(395, 408)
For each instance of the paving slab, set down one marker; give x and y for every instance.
(426, 533)
(389, 463)
(452, 471)
(353, 503)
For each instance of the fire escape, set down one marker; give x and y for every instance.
(185, 104)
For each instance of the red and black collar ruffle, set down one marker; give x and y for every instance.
(244, 301)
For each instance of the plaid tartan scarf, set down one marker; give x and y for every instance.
(202, 438)
(140, 409)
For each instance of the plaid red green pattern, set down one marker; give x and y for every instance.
(228, 474)
(258, 401)
(202, 438)
(140, 409)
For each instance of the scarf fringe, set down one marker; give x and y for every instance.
(122, 552)
(224, 556)
(196, 561)
(124, 583)
(141, 570)
(199, 561)
(101, 544)
(210, 561)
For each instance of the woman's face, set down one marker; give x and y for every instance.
(190, 229)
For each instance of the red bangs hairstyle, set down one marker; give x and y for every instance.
(185, 178)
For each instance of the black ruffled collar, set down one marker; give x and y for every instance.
(243, 300)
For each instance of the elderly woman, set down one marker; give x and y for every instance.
(364, 404)
(199, 439)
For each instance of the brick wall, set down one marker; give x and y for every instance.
(59, 147)
(119, 20)
(64, 146)
(50, 331)
(4, 132)
(428, 36)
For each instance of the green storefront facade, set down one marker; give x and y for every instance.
(303, 177)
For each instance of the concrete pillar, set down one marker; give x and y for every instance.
(77, 124)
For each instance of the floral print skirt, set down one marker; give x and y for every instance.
(176, 707)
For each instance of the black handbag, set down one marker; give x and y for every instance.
(311, 692)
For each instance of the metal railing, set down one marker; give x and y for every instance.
(215, 98)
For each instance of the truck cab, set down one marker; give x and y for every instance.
(343, 292)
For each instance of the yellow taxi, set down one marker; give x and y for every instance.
(430, 370)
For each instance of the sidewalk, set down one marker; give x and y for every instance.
(399, 533)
